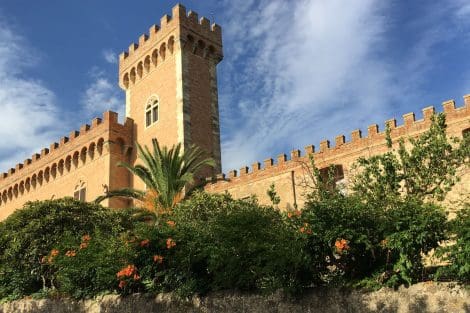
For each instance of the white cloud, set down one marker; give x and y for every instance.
(463, 8)
(296, 72)
(305, 61)
(102, 95)
(29, 116)
(109, 56)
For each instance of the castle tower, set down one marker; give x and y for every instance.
(170, 81)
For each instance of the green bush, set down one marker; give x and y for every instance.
(345, 234)
(88, 267)
(458, 253)
(412, 229)
(29, 236)
(370, 245)
(223, 243)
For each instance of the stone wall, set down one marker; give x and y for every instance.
(424, 298)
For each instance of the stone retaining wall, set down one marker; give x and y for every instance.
(423, 298)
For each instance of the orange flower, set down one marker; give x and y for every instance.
(86, 238)
(305, 229)
(170, 243)
(122, 284)
(289, 214)
(341, 245)
(83, 245)
(128, 271)
(158, 259)
(70, 253)
(136, 277)
(54, 252)
(145, 243)
(171, 223)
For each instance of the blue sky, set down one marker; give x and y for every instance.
(294, 73)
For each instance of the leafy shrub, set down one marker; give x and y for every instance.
(458, 254)
(153, 258)
(361, 242)
(412, 229)
(233, 244)
(425, 171)
(88, 267)
(345, 233)
(30, 236)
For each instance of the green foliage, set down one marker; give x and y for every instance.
(411, 229)
(357, 241)
(273, 196)
(426, 171)
(165, 172)
(235, 244)
(28, 236)
(346, 233)
(458, 253)
(384, 237)
(88, 267)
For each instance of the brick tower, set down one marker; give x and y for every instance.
(170, 81)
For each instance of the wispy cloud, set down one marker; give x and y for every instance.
(302, 63)
(101, 95)
(29, 117)
(298, 72)
(109, 56)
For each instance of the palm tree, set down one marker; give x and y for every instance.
(165, 173)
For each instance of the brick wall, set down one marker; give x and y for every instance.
(289, 174)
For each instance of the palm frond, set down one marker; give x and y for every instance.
(165, 172)
(128, 193)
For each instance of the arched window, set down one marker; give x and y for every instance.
(80, 191)
(151, 111)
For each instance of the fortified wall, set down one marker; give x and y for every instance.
(81, 165)
(290, 175)
(170, 82)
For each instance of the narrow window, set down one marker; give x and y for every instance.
(155, 113)
(151, 112)
(82, 194)
(148, 118)
(76, 195)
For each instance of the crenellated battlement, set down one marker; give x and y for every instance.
(181, 29)
(109, 121)
(358, 144)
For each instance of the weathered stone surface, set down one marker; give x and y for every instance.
(423, 298)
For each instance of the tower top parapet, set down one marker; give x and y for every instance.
(181, 25)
